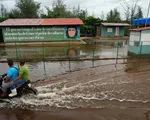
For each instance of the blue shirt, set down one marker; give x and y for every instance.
(13, 73)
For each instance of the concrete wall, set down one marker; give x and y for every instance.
(143, 50)
(145, 37)
(140, 42)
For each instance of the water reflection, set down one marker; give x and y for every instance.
(41, 59)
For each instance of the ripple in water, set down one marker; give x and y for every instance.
(74, 94)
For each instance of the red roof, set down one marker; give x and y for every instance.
(45, 22)
(140, 29)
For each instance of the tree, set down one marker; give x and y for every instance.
(4, 12)
(25, 9)
(113, 16)
(127, 14)
(90, 24)
(130, 9)
(139, 13)
(82, 14)
(102, 16)
(49, 13)
(15, 13)
(59, 10)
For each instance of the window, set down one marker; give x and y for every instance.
(109, 30)
(136, 43)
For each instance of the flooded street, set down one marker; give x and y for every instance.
(41, 63)
(78, 114)
(107, 91)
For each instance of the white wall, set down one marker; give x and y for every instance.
(134, 36)
(145, 37)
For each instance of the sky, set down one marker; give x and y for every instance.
(94, 7)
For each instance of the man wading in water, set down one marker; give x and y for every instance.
(21, 79)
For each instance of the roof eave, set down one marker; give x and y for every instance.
(39, 25)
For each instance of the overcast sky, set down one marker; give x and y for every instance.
(93, 6)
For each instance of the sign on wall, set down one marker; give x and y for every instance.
(41, 33)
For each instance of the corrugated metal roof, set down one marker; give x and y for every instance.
(115, 24)
(140, 29)
(62, 21)
(38, 22)
(21, 22)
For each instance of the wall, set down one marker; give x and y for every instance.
(134, 36)
(121, 31)
(143, 50)
(39, 33)
(134, 49)
(143, 42)
(105, 33)
(145, 37)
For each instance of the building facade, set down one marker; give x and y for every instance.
(21, 30)
(113, 29)
(139, 42)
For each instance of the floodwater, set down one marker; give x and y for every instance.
(42, 65)
(101, 93)
(107, 91)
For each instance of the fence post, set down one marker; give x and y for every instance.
(43, 51)
(117, 51)
(141, 45)
(17, 57)
(43, 54)
(16, 52)
(93, 42)
(69, 57)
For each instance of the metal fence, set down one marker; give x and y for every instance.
(95, 52)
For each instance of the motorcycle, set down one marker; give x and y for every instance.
(21, 89)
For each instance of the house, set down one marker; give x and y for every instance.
(23, 30)
(139, 42)
(112, 30)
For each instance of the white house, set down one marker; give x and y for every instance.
(139, 42)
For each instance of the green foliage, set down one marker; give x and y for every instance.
(114, 16)
(90, 24)
(25, 9)
(3, 11)
(139, 13)
(30, 9)
(59, 10)
(3, 19)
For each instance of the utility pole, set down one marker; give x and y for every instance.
(147, 13)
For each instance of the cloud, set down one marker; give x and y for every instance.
(93, 6)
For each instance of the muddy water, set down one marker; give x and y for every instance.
(42, 67)
(105, 92)
(109, 92)
(78, 114)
